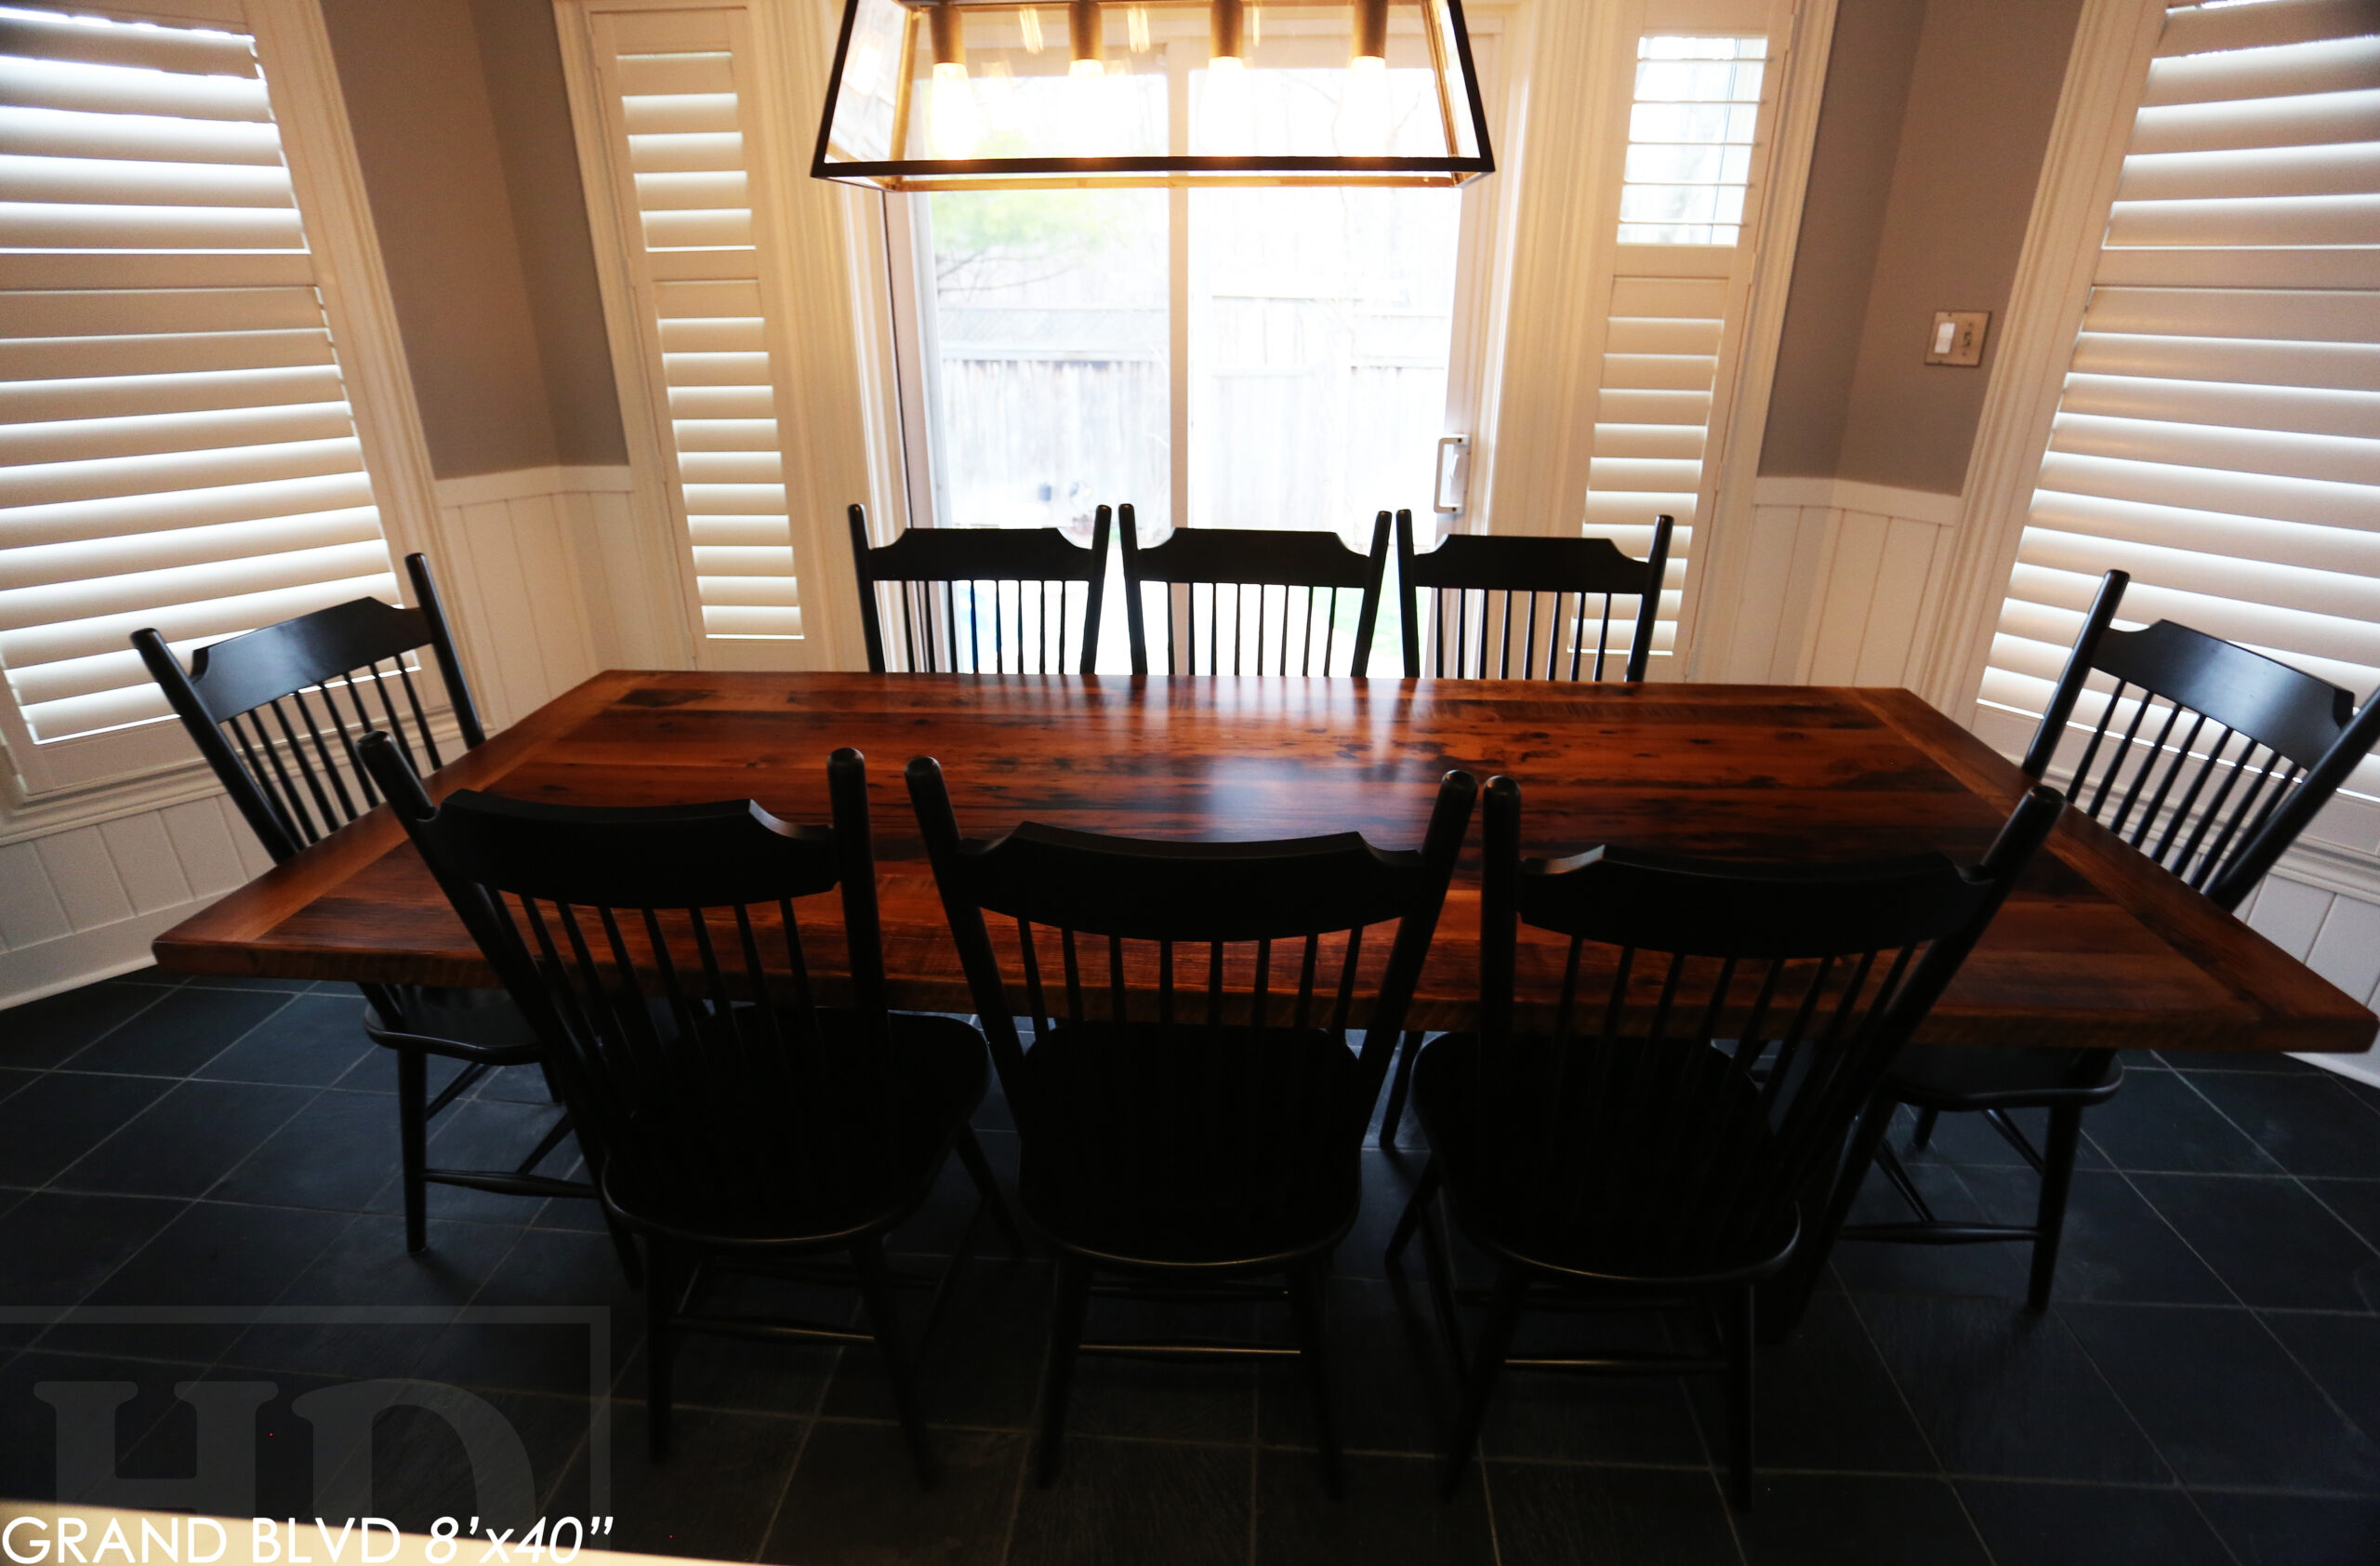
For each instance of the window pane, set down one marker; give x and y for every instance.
(1320, 321)
(1690, 137)
(1050, 357)
(1319, 329)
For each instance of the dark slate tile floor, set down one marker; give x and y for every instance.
(211, 1169)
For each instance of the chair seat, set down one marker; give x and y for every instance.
(855, 1146)
(1957, 1077)
(478, 1025)
(1256, 1165)
(1565, 1164)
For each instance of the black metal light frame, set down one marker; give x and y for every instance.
(932, 24)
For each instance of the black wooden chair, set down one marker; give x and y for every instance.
(963, 592)
(1634, 1123)
(277, 714)
(736, 1122)
(1212, 1134)
(2206, 757)
(1475, 625)
(1471, 580)
(1292, 630)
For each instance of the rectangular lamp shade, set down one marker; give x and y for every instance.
(968, 95)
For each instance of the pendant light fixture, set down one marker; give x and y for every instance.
(1359, 92)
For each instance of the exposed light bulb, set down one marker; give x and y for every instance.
(1363, 127)
(954, 124)
(1087, 71)
(1227, 108)
(1087, 34)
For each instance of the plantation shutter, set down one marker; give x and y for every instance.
(679, 96)
(175, 445)
(1696, 150)
(2219, 432)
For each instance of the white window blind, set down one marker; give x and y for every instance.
(1694, 146)
(675, 89)
(1690, 137)
(2219, 432)
(175, 445)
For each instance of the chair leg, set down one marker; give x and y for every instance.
(1066, 1313)
(1309, 1308)
(663, 1286)
(1737, 1324)
(1415, 1207)
(412, 1142)
(1495, 1342)
(1438, 1256)
(623, 1243)
(979, 1169)
(884, 1323)
(1789, 1291)
(1399, 1084)
(2057, 1180)
(1925, 1119)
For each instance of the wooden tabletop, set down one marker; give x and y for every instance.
(2098, 947)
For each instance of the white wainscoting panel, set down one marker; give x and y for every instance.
(2325, 913)
(81, 902)
(541, 582)
(1852, 578)
(535, 601)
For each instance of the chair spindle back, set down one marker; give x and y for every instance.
(1476, 628)
(1202, 974)
(2206, 757)
(1289, 595)
(278, 712)
(984, 599)
(1713, 1028)
(660, 953)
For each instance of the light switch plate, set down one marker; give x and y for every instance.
(1957, 336)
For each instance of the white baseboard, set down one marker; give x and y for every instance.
(1857, 494)
(2363, 1068)
(86, 956)
(522, 483)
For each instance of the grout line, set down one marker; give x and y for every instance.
(2286, 1173)
(2321, 1389)
(815, 1417)
(49, 1187)
(2189, 1498)
(1728, 1505)
(286, 997)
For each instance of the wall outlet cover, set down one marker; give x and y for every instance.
(1957, 336)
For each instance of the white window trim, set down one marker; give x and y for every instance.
(1721, 579)
(834, 453)
(2105, 73)
(293, 49)
(898, 311)
(1557, 161)
(1539, 407)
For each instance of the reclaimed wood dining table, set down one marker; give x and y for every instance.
(2098, 948)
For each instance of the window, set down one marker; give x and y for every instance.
(176, 448)
(2218, 435)
(1690, 137)
(1230, 358)
(1697, 154)
(680, 101)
